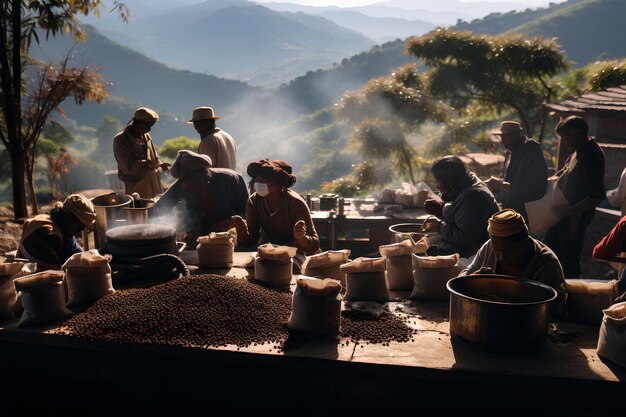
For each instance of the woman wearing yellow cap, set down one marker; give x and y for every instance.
(511, 251)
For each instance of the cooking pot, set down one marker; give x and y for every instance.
(143, 240)
(500, 313)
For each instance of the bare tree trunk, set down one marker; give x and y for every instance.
(30, 176)
(19, 194)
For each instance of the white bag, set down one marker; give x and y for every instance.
(431, 274)
(10, 298)
(316, 306)
(327, 265)
(275, 252)
(87, 278)
(367, 286)
(43, 298)
(400, 272)
(216, 250)
(541, 215)
(586, 299)
(277, 274)
(612, 337)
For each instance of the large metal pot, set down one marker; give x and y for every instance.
(142, 240)
(500, 313)
(109, 213)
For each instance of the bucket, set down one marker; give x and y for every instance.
(109, 214)
(142, 209)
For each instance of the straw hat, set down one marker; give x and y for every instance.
(201, 113)
(145, 114)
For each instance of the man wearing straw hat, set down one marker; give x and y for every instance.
(511, 251)
(525, 169)
(138, 163)
(215, 142)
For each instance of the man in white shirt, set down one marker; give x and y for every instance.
(617, 196)
(215, 142)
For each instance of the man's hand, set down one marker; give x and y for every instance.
(483, 270)
(434, 207)
(430, 225)
(165, 166)
(494, 184)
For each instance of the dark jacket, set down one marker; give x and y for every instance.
(465, 215)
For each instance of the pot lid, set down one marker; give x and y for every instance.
(144, 234)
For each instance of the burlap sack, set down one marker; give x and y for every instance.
(406, 247)
(327, 265)
(276, 273)
(10, 300)
(612, 336)
(400, 272)
(87, 278)
(276, 253)
(431, 274)
(216, 250)
(586, 299)
(43, 298)
(316, 306)
(367, 286)
(364, 265)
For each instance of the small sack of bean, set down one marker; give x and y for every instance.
(431, 274)
(316, 306)
(216, 249)
(43, 298)
(399, 265)
(87, 278)
(273, 265)
(327, 265)
(10, 299)
(365, 280)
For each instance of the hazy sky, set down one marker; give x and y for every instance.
(351, 3)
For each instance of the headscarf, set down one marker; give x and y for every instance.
(188, 161)
(81, 207)
(506, 223)
(276, 169)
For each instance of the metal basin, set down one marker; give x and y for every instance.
(109, 213)
(404, 231)
(500, 313)
(143, 240)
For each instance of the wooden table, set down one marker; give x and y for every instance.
(360, 229)
(323, 376)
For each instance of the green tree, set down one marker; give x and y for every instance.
(606, 74)
(170, 147)
(25, 104)
(507, 73)
(384, 113)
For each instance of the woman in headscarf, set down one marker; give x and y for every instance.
(274, 213)
(50, 239)
(203, 198)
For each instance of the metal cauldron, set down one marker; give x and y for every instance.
(500, 313)
(109, 213)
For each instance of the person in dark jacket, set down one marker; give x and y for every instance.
(582, 182)
(525, 169)
(203, 198)
(464, 212)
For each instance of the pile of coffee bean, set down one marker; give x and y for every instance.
(199, 311)
(363, 326)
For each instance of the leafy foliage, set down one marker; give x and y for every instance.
(171, 146)
(607, 74)
(506, 73)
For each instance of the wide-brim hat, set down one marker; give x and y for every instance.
(507, 127)
(277, 169)
(201, 113)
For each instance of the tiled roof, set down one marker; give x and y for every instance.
(612, 99)
(484, 159)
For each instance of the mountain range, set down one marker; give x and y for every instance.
(293, 121)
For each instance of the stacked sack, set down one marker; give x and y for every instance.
(316, 306)
(407, 196)
(431, 274)
(365, 280)
(87, 278)
(399, 264)
(216, 250)
(327, 265)
(273, 265)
